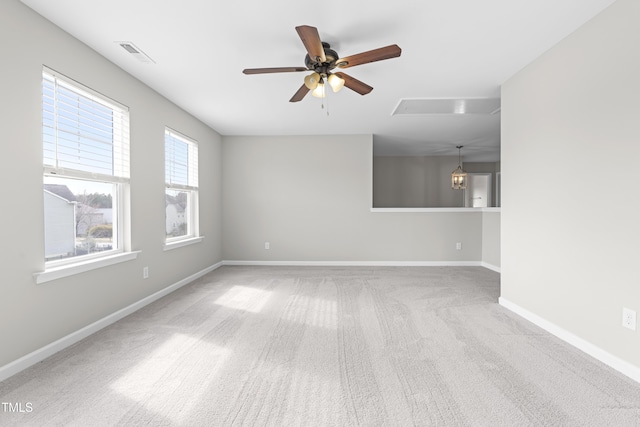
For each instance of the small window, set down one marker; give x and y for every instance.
(86, 171)
(181, 183)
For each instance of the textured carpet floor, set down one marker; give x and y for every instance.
(288, 346)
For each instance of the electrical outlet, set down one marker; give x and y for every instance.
(458, 246)
(267, 245)
(629, 318)
(145, 273)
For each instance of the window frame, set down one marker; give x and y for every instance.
(119, 179)
(191, 188)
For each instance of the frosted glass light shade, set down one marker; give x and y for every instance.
(318, 92)
(312, 80)
(336, 82)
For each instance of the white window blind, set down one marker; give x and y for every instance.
(83, 131)
(181, 161)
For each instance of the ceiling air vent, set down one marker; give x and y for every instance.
(136, 52)
(447, 106)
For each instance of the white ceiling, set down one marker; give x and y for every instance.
(450, 49)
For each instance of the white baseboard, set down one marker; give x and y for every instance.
(609, 359)
(491, 267)
(39, 355)
(357, 263)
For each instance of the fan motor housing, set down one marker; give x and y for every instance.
(323, 67)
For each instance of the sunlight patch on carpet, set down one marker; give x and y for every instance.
(244, 298)
(173, 366)
(316, 312)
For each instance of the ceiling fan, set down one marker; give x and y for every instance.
(321, 60)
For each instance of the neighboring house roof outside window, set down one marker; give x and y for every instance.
(180, 201)
(60, 190)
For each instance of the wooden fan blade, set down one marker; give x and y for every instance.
(273, 70)
(387, 52)
(300, 94)
(311, 40)
(355, 84)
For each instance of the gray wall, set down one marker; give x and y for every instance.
(572, 260)
(310, 198)
(421, 181)
(491, 238)
(32, 316)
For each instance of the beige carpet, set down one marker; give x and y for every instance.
(288, 346)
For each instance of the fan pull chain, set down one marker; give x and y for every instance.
(324, 93)
(327, 108)
(325, 88)
(322, 106)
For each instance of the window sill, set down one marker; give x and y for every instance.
(81, 267)
(181, 243)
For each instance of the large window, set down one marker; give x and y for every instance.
(86, 171)
(181, 182)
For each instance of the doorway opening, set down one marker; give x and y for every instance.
(478, 191)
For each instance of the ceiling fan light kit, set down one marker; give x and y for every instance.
(321, 60)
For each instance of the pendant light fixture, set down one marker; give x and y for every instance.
(459, 176)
